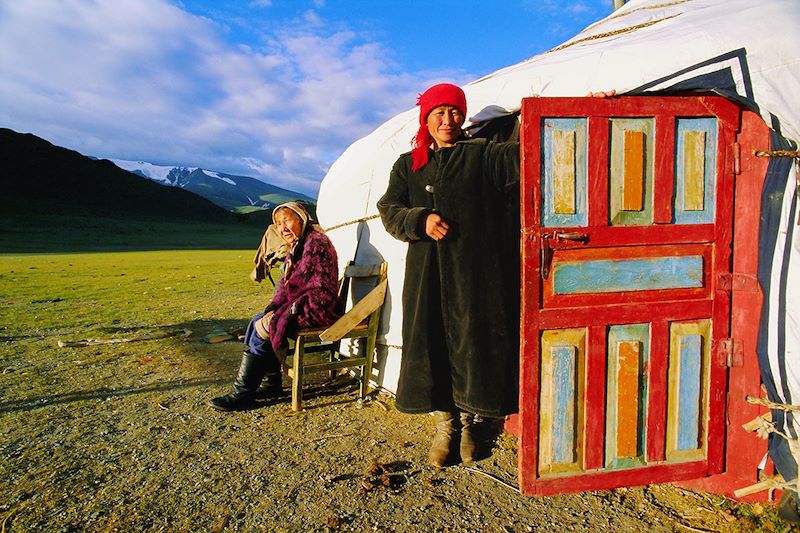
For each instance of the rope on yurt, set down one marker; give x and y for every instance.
(351, 222)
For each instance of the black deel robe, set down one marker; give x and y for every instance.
(461, 294)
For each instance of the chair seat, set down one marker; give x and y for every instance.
(315, 333)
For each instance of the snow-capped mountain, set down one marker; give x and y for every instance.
(237, 193)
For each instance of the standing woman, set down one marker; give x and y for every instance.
(307, 296)
(455, 202)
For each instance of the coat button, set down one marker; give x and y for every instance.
(429, 188)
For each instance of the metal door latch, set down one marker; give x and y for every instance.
(547, 250)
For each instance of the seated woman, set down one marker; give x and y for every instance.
(306, 297)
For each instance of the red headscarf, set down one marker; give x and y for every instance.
(435, 96)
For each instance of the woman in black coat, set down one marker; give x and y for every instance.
(455, 201)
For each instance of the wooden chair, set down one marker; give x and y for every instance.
(360, 322)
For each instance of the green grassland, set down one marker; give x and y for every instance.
(43, 296)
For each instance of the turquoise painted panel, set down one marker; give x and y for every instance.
(691, 356)
(616, 334)
(709, 126)
(563, 434)
(549, 217)
(652, 273)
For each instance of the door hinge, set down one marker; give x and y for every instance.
(737, 158)
(736, 281)
(731, 351)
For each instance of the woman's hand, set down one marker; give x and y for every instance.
(436, 227)
(603, 94)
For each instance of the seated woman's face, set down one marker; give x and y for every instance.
(289, 224)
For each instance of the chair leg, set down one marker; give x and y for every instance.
(366, 373)
(297, 371)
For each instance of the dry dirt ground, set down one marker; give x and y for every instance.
(104, 438)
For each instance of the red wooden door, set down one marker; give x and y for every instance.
(626, 219)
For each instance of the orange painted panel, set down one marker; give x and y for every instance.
(628, 398)
(633, 172)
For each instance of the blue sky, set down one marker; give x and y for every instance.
(274, 89)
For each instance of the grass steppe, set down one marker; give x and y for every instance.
(117, 437)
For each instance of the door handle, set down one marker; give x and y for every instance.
(546, 257)
(571, 236)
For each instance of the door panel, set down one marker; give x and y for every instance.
(626, 220)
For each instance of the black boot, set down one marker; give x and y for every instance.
(243, 395)
(271, 387)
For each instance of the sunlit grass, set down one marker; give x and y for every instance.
(79, 295)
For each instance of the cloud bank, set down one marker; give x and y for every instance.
(146, 80)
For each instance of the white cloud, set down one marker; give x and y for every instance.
(145, 80)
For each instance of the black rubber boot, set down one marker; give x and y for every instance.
(243, 395)
(271, 387)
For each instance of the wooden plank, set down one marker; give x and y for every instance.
(297, 374)
(694, 161)
(716, 387)
(699, 166)
(687, 398)
(657, 391)
(629, 133)
(561, 412)
(633, 171)
(664, 177)
(618, 478)
(563, 161)
(564, 182)
(595, 398)
(774, 482)
(615, 275)
(628, 346)
(360, 311)
(546, 407)
(346, 362)
(628, 353)
(530, 214)
(564, 398)
(600, 236)
(598, 171)
(570, 317)
(578, 274)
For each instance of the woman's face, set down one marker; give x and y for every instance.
(444, 125)
(289, 224)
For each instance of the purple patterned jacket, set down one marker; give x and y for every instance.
(308, 297)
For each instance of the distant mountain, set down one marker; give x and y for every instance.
(54, 199)
(240, 194)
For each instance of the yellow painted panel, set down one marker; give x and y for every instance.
(694, 162)
(633, 171)
(564, 172)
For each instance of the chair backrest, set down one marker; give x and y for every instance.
(367, 307)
